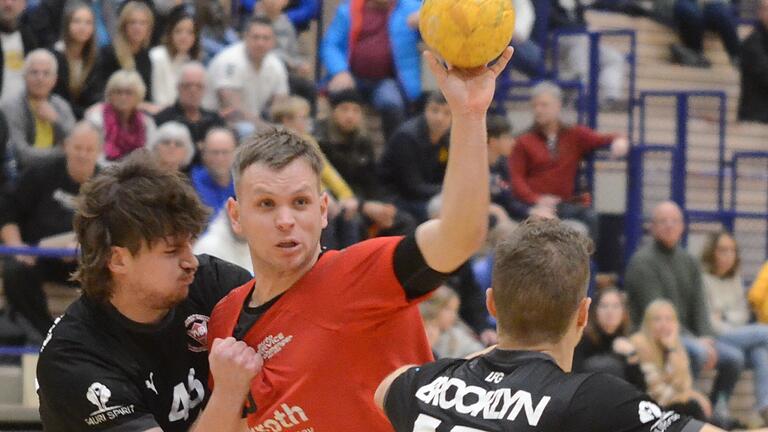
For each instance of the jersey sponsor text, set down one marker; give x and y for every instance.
(454, 393)
(283, 420)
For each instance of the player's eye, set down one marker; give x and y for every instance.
(171, 251)
(301, 202)
(266, 203)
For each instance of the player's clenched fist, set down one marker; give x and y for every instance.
(233, 365)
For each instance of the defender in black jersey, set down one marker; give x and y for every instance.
(539, 298)
(132, 354)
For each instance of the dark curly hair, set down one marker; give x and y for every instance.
(129, 205)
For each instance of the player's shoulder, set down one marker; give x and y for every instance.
(599, 384)
(75, 337)
(217, 270)
(370, 246)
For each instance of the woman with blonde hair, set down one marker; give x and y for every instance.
(130, 46)
(124, 126)
(665, 363)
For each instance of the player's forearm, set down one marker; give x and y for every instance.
(464, 215)
(223, 413)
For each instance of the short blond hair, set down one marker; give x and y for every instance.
(126, 79)
(287, 108)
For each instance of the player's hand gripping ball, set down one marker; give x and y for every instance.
(467, 33)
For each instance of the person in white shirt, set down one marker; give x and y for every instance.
(246, 77)
(181, 44)
(16, 41)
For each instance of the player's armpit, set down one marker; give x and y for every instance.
(380, 397)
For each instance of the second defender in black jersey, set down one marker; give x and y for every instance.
(539, 298)
(132, 353)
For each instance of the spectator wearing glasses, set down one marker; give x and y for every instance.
(171, 147)
(38, 120)
(188, 107)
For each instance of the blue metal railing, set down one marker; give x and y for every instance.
(678, 152)
(680, 156)
(593, 79)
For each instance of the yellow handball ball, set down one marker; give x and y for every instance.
(467, 33)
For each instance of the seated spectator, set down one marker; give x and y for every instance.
(663, 269)
(758, 295)
(124, 127)
(171, 146)
(447, 335)
(372, 45)
(245, 78)
(78, 78)
(221, 241)
(691, 18)
(529, 57)
(45, 18)
(8, 165)
(38, 120)
(215, 31)
(181, 44)
(605, 346)
(664, 363)
(17, 39)
(38, 212)
(349, 148)
(729, 311)
(574, 55)
(545, 161)
(299, 12)
(130, 47)
(415, 157)
(300, 71)
(213, 178)
(500, 145)
(343, 226)
(188, 107)
(753, 105)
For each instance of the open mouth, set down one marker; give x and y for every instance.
(288, 244)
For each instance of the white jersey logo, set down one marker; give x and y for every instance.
(150, 383)
(98, 394)
(648, 412)
(284, 419)
(272, 345)
(454, 393)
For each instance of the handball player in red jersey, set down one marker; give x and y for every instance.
(330, 325)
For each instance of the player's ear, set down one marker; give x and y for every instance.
(233, 211)
(490, 303)
(119, 260)
(582, 315)
(324, 208)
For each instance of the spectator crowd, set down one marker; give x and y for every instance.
(86, 84)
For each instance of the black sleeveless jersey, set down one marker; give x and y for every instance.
(521, 391)
(99, 371)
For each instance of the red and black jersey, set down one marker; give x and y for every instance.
(333, 336)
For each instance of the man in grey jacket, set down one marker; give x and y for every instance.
(38, 120)
(663, 269)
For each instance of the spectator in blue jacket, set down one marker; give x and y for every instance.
(213, 178)
(300, 12)
(373, 45)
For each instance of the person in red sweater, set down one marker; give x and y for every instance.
(546, 159)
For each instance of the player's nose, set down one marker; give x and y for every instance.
(284, 219)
